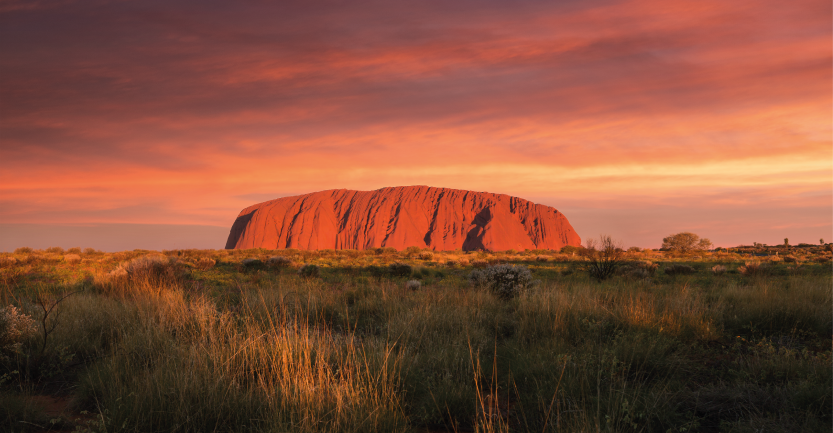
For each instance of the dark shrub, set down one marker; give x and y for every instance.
(252, 263)
(400, 270)
(278, 262)
(309, 271)
(678, 269)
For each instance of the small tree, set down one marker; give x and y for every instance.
(786, 242)
(705, 244)
(604, 255)
(821, 241)
(684, 242)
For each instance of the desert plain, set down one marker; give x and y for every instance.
(415, 340)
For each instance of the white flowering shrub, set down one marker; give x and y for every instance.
(15, 328)
(505, 281)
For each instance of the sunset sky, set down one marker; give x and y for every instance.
(151, 124)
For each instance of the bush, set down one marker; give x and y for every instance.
(279, 262)
(309, 271)
(72, 258)
(151, 264)
(505, 281)
(89, 251)
(205, 263)
(23, 250)
(602, 257)
(15, 328)
(571, 250)
(375, 271)
(400, 270)
(649, 266)
(55, 250)
(426, 255)
(74, 250)
(413, 285)
(678, 269)
(480, 263)
(751, 269)
(252, 263)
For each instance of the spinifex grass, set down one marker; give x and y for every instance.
(185, 345)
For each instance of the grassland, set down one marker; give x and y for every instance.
(202, 340)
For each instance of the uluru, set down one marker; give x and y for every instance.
(400, 217)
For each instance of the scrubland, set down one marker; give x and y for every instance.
(202, 340)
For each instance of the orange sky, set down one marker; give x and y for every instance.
(635, 118)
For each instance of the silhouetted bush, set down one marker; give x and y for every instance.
(309, 271)
(678, 269)
(400, 270)
(252, 263)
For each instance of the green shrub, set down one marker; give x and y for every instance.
(252, 263)
(505, 281)
(309, 271)
(279, 262)
(400, 269)
(678, 269)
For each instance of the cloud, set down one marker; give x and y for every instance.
(181, 112)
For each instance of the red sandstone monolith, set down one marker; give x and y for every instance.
(400, 217)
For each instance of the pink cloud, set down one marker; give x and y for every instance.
(152, 112)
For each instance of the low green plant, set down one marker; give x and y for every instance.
(679, 269)
(400, 269)
(309, 271)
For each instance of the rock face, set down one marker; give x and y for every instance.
(400, 217)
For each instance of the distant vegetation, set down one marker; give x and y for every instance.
(684, 340)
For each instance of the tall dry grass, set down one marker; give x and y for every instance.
(155, 349)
